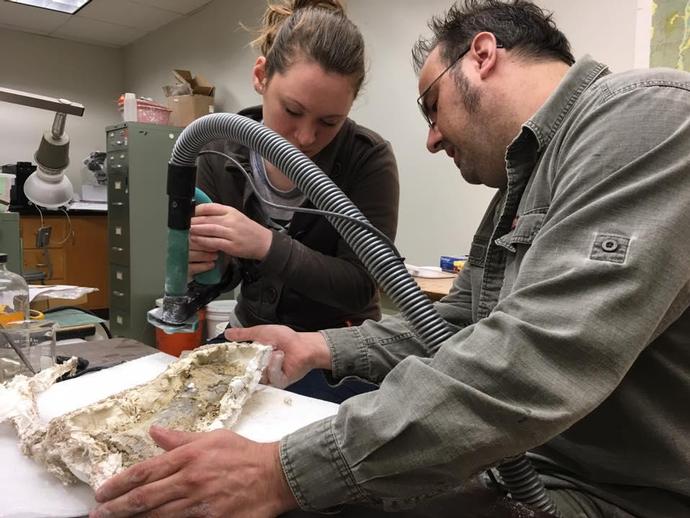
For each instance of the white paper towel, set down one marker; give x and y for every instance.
(28, 491)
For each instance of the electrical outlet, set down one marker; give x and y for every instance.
(43, 237)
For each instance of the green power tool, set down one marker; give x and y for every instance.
(182, 300)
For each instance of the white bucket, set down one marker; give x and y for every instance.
(218, 312)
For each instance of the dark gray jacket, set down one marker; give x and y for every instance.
(311, 279)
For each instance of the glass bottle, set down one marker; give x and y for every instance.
(14, 309)
(14, 295)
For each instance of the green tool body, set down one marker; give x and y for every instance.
(211, 276)
(178, 313)
(177, 258)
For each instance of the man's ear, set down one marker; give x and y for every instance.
(484, 54)
(259, 78)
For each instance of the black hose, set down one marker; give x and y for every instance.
(383, 264)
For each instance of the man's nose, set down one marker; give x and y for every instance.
(434, 139)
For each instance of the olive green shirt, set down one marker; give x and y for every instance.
(573, 328)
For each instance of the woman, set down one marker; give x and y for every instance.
(295, 269)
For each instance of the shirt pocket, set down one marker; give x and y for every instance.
(516, 243)
(525, 228)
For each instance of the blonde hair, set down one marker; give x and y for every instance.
(316, 30)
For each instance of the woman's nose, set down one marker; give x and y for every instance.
(305, 135)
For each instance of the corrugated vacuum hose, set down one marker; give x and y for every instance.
(384, 264)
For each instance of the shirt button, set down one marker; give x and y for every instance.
(609, 245)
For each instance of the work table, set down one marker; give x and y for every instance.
(435, 289)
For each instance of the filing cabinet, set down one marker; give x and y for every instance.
(137, 164)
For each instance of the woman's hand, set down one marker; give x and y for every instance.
(200, 260)
(294, 355)
(217, 227)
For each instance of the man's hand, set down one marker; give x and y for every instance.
(217, 227)
(294, 355)
(215, 473)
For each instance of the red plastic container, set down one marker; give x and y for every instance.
(177, 342)
(148, 111)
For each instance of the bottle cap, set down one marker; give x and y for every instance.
(3, 258)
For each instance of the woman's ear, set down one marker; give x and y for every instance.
(259, 79)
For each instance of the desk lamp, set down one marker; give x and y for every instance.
(48, 186)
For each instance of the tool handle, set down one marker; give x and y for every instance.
(215, 275)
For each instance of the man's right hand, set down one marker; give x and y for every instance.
(301, 352)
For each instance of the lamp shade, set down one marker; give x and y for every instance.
(51, 191)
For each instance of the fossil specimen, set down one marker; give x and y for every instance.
(203, 391)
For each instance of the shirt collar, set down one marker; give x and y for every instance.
(551, 115)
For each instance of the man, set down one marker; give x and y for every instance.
(572, 314)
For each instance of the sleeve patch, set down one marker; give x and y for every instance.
(610, 247)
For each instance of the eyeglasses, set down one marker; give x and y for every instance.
(420, 99)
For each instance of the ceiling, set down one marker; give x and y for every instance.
(107, 23)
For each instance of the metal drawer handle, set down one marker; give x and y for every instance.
(118, 293)
(41, 265)
(118, 203)
(117, 249)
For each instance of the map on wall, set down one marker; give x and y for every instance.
(670, 34)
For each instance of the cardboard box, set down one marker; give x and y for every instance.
(186, 108)
(190, 98)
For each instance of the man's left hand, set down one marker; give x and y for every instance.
(215, 473)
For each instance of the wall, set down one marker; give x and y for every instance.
(87, 74)
(606, 30)
(210, 42)
(438, 210)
